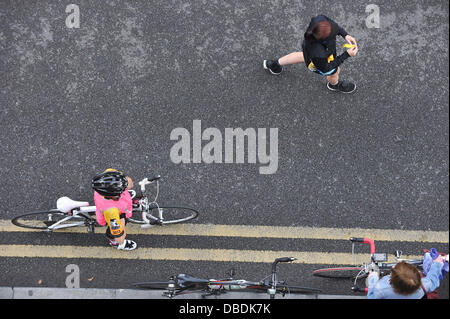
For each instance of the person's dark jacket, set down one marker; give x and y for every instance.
(319, 51)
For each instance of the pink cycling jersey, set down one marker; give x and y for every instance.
(124, 204)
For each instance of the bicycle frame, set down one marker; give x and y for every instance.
(215, 287)
(78, 212)
(273, 289)
(145, 203)
(212, 287)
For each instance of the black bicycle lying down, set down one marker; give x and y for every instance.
(184, 284)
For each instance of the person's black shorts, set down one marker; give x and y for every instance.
(311, 67)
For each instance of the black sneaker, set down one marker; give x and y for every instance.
(342, 86)
(273, 66)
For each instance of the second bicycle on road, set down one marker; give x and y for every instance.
(182, 284)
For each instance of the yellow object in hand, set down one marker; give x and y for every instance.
(348, 46)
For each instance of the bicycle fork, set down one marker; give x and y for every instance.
(273, 289)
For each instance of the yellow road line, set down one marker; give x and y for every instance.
(183, 254)
(211, 230)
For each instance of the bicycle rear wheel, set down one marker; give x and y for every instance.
(43, 219)
(340, 272)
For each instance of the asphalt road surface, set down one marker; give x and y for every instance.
(109, 93)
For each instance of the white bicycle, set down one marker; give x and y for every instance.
(70, 213)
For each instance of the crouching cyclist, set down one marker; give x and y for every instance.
(113, 206)
(406, 282)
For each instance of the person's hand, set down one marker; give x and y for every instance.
(130, 183)
(353, 51)
(351, 40)
(439, 259)
(369, 281)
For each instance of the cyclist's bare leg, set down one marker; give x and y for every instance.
(121, 239)
(292, 58)
(334, 79)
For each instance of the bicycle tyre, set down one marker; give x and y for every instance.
(153, 285)
(171, 214)
(288, 289)
(41, 219)
(340, 272)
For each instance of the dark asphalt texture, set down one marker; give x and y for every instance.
(74, 102)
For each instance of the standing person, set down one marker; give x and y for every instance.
(319, 53)
(405, 282)
(113, 206)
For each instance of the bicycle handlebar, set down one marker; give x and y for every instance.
(147, 181)
(154, 178)
(365, 241)
(281, 260)
(284, 259)
(444, 255)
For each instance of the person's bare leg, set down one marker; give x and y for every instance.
(334, 79)
(292, 58)
(123, 243)
(276, 66)
(121, 239)
(341, 86)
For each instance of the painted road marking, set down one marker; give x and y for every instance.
(184, 254)
(210, 230)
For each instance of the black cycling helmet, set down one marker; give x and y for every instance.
(110, 183)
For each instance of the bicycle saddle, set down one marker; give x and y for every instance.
(65, 204)
(186, 280)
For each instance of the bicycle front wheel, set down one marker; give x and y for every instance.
(340, 272)
(288, 289)
(174, 214)
(43, 220)
(153, 285)
(165, 215)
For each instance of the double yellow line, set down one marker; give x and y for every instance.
(226, 255)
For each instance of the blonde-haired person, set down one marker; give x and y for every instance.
(319, 53)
